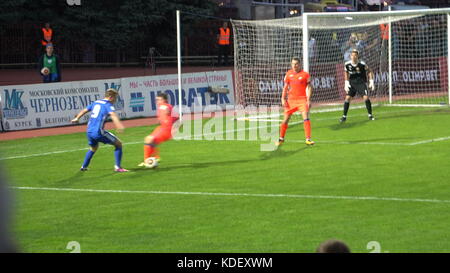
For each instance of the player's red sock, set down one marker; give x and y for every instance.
(283, 129)
(148, 150)
(307, 127)
(156, 152)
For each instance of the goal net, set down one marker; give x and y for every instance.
(407, 51)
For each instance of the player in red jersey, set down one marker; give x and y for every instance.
(162, 133)
(298, 90)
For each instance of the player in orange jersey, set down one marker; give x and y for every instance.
(298, 90)
(162, 133)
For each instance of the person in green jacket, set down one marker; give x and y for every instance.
(49, 65)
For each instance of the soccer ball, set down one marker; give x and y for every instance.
(45, 71)
(151, 162)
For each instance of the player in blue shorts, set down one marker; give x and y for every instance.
(100, 110)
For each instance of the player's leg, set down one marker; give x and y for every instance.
(152, 141)
(306, 124)
(348, 99)
(368, 106)
(283, 127)
(149, 146)
(89, 154)
(93, 146)
(109, 138)
(118, 156)
(163, 136)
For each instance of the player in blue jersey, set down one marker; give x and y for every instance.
(100, 110)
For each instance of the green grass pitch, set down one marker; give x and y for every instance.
(382, 180)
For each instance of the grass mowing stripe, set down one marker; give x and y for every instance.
(302, 196)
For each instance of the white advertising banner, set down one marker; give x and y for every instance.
(51, 104)
(55, 104)
(140, 95)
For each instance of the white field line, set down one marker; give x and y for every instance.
(355, 142)
(417, 105)
(58, 152)
(42, 154)
(313, 111)
(381, 143)
(300, 196)
(430, 140)
(259, 119)
(262, 117)
(245, 129)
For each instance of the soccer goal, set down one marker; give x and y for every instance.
(407, 51)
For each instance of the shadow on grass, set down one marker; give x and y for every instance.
(279, 153)
(90, 177)
(80, 176)
(347, 124)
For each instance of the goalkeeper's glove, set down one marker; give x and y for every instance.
(347, 86)
(371, 85)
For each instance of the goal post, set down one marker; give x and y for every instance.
(410, 61)
(448, 56)
(180, 108)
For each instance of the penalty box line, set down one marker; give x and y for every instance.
(299, 196)
(318, 111)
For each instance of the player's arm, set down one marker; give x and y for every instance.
(347, 81)
(284, 93)
(370, 76)
(79, 115)
(116, 120)
(309, 92)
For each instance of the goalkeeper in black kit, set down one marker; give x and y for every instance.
(357, 73)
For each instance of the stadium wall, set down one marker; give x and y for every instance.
(55, 104)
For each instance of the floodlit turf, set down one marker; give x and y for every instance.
(288, 200)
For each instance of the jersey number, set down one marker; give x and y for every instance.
(96, 111)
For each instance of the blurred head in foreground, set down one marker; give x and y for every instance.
(333, 246)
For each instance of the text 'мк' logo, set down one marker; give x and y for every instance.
(14, 107)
